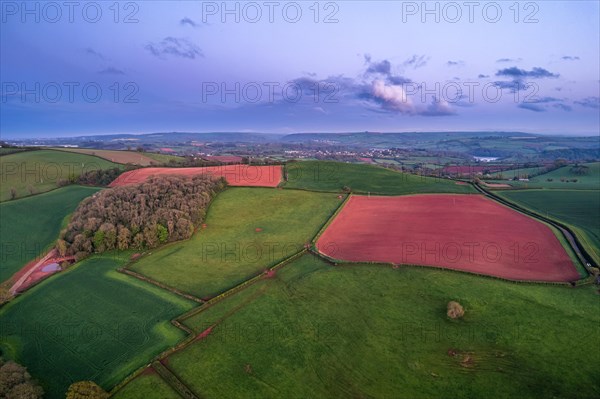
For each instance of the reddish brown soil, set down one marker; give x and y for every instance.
(236, 175)
(32, 273)
(461, 232)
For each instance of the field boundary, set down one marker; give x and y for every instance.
(175, 291)
(330, 220)
(584, 257)
(342, 263)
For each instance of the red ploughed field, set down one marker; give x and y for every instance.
(461, 232)
(236, 175)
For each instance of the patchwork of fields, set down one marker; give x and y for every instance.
(89, 323)
(580, 209)
(311, 328)
(469, 233)
(367, 331)
(247, 230)
(33, 172)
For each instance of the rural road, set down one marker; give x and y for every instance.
(582, 255)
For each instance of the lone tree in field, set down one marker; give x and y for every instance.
(455, 310)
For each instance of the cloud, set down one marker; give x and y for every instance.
(416, 61)
(531, 107)
(111, 71)
(509, 60)
(391, 97)
(512, 85)
(564, 107)
(570, 58)
(589, 102)
(384, 67)
(90, 51)
(438, 108)
(536, 72)
(455, 63)
(482, 76)
(177, 47)
(188, 21)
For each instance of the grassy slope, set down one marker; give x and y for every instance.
(229, 250)
(164, 158)
(42, 169)
(578, 208)
(29, 225)
(368, 331)
(332, 176)
(89, 323)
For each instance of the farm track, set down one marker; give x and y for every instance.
(571, 238)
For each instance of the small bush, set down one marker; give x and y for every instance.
(455, 310)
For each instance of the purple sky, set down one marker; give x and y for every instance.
(298, 67)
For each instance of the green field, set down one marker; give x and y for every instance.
(520, 173)
(146, 386)
(230, 250)
(41, 170)
(164, 158)
(89, 323)
(578, 208)
(30, 225)
(590, 181)
(333, 176)
(363, 331)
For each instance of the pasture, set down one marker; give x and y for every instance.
(462, 232)
(579, 209)
(34, 172)
(371, 331)
(361, 178)
(116, 156)
(564, 179)
(89, 323)
(31, 225)
(247, 230)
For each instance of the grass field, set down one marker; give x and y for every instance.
(164, 158)
(520, 173)
(230, 250)
(41, 170)
(590, 181)
(332, 176)
(116, 156)
(30, 225)
(89, 323)
(367, 331)
(577, 208)
(146, 386)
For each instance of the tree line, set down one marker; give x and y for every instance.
(143, 216)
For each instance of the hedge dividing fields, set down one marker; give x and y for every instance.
(89, 323)
(577, 208)
(247, 230)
